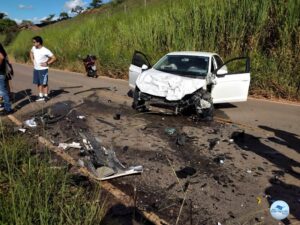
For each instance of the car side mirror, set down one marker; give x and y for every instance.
(144, 67)
(222, 71)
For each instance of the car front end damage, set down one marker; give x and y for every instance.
(199, 102)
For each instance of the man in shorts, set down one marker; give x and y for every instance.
(41, 58)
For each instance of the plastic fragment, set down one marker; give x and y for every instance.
(258, 200)
(170, 130)
(31, 123)
(22, 130)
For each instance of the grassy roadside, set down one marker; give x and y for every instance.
(32, 191)
(267, 31)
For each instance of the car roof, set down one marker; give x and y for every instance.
(207, 54)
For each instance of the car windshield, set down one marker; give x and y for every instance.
(184, 65)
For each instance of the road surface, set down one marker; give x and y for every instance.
(254, 112)
(269, 147)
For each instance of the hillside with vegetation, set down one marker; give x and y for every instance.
(266, 30)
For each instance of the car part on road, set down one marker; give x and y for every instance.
(213, 142)
(185, 172)
(65, 146)
(220, 159)
(31, 123)
(94, 89)
(181, 139)
(117, 116)
(104, 171)
(203, 104)
(117, 193)
(170, 130)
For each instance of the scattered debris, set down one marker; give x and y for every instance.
(260, 169)
(93, 89)
(238, 136)
(117, 116)
(104, 171)
(80, 86)
(105, 122)
(87, 144)
(258, 200)
(130, 171)
(185, 172)
(170, 130)
(249, 171)
(213, 142)
(23, 130)
(99, 156)
(65, 146)
(31, 123)
(181, 139)
(80, 163)
(219, 159)
(278, 173)
(81, 117)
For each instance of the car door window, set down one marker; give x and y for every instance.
(218, 61)
(139, 59)
(212, 66)
(236, 66)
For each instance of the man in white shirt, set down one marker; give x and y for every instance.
(41, 58)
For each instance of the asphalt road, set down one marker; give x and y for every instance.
(271, 129)
(253, 113)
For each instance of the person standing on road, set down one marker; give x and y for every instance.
(3, 82)
(41, 58)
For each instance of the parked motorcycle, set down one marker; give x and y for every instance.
(90, 66)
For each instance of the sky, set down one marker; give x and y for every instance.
(36, 10)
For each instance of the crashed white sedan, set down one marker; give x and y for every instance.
(185, 80)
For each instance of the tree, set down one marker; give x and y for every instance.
(50, 17)
(78, 9)
(2, 15)
(116, 2)
(63, 16)
(7, 25)
(26, 23)
(96, 4)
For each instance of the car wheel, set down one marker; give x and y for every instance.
(204, 105)
(138, 104)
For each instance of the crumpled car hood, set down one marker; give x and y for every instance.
(170, 86)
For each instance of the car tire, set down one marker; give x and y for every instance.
(138, 104)
(204, 113)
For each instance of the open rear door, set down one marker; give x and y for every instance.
(135, 69)
(233, 85)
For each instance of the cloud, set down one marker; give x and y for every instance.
(34, 20)
(18, 21)
(71, 4)
(24, 6)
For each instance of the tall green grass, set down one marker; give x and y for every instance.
(2, 38)
(266, 30)
(34, 192)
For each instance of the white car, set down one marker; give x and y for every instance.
(188, 79)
